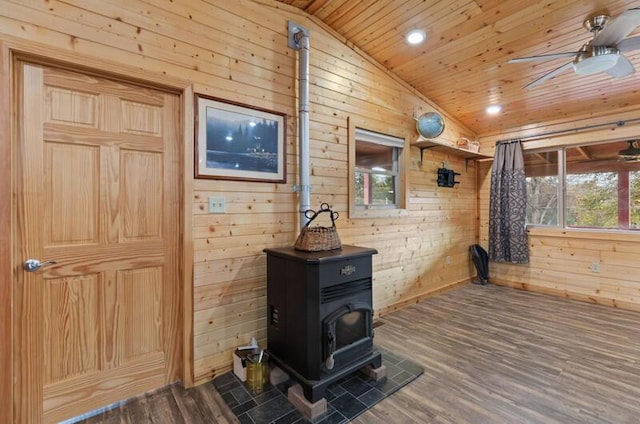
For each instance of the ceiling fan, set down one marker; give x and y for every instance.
(603, 53)
(631, 153)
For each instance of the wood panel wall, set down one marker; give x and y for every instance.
(560, 260)
(238, 51)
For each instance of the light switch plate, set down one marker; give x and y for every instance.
(217, 204)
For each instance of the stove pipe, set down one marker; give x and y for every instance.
(299, 40)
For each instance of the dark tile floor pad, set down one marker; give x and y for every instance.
(347, 398)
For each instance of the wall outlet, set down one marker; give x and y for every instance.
(217, 204)
(595, 267)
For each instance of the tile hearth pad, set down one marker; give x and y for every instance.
(347, 398)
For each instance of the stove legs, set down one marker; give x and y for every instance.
(375, 374)
(309, 396)
(308, 410)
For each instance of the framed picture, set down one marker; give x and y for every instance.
(239, 142)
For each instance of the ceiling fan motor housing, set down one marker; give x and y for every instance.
(596, 23)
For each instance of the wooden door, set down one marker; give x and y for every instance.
(97, 191)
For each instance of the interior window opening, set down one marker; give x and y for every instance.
(377, 168)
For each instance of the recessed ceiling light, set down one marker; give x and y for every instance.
(493, 109)
(416, 36)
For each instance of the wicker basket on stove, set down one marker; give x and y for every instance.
(318, 238)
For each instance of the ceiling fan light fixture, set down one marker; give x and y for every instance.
(596, 59)
(416, 36)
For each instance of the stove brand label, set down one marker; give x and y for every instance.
(348, 270)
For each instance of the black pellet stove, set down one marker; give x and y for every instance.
(320, 314)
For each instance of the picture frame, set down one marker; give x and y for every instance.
(234, 141)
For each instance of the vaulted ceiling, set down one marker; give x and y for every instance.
(462, 66)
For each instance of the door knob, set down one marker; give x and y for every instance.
(32, 265)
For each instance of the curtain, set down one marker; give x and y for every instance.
(507, 205)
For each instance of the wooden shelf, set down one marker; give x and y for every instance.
(423, 143)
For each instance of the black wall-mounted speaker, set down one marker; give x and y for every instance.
(447, 177)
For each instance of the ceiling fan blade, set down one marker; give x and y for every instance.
(629, 44)
(622, 69)
(542, 57)
(549, 76)
(618, 28)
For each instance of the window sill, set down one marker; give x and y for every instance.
(583, 233)
(377, 213)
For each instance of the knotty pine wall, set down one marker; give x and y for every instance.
(237, 50)
(560, 260)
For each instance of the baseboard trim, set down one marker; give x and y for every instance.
(599, 300)
(420, 297)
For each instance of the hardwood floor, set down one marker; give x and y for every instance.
(169, 405)
(498, 355)
(491, 355)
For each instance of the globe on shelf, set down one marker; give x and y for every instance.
(430, 125)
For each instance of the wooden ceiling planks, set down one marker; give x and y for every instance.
(398, 54)
(370, 14)
(462, 67)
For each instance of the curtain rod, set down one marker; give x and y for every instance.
(574, 130)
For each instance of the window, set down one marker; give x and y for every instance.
(542, 188)
(634, 195)
(376, 168)
(585, 186)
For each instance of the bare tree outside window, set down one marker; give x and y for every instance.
(542, 200)
(541, 170)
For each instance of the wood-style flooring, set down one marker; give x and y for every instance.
(491, 355)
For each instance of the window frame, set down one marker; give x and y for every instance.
(402, 163)
(562, 190)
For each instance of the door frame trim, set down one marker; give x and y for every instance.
(6, 275)
(12, 50)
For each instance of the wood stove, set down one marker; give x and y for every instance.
(320, 315)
